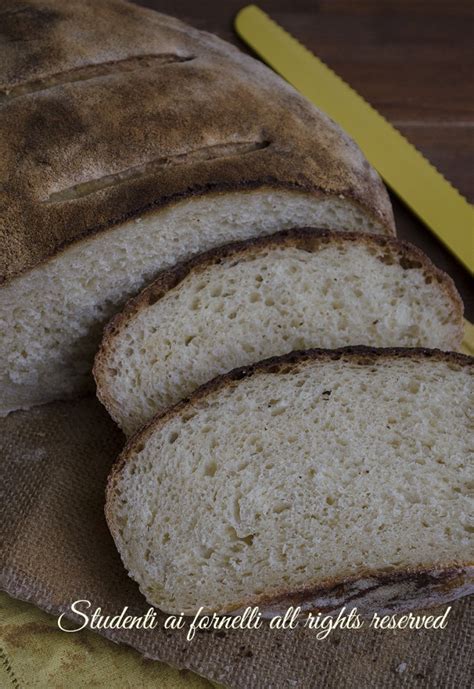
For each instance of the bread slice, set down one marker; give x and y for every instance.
(137, 146)
(251, 300)
(316, 478)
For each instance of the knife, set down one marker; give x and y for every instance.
(413, 178)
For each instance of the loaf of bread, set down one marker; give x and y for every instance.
(131, 141)
(250, 300)
(314, 479)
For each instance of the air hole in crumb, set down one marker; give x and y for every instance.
(283, 507)
(387, 259)
(278, 411)
(408, 264)
(210, 469)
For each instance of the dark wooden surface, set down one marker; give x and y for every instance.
(412, 59)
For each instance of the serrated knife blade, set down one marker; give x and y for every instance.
(413, 178)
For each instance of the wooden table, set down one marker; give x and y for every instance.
(412, 59)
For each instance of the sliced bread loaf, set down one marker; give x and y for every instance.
(251, 300)
(316, 479)
(142, 143)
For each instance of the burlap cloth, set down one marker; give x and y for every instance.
(55, 548)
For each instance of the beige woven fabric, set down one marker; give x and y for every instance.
(55, 548)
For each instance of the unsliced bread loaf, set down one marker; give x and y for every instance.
(316, 479)
(250, 300)
(131, 141)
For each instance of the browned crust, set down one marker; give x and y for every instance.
(435, 583)
(66, 135)
(377, 591)
(305, 238)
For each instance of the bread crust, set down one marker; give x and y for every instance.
(397, 590)
(381, 592)
(304, 238)
(111, 111)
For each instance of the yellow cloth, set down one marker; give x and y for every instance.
(36, 654)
